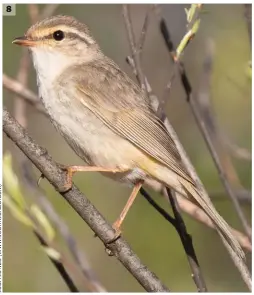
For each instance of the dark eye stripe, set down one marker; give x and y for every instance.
(76, 36)
(69, 35)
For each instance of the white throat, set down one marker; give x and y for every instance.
(49, 64)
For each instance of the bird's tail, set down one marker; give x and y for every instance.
(221, 225)
(188, 190)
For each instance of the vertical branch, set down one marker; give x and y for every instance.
(187, 243)
(133, 47)
(19, 103)
(22, 76)
(48, 10)
(143, 33)
(33, 10)
(202, 124)
(240, 264)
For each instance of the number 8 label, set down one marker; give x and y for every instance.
(9, 9)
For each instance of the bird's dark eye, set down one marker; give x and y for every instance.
(58, 35)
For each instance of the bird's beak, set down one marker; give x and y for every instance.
(24, 41)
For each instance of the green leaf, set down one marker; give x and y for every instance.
(16, 211)
(52, 253)
(43, 221)
(191, 12)
(11, 182)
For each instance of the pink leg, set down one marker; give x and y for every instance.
(73, 169)
(117, 224)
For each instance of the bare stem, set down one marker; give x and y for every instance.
(144, 30)
(133, 46)
(187, 244)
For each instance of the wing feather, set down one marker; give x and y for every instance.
(137, 123)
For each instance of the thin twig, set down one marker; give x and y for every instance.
(205, 119)
(187, 244)
(201, 123)
(33, 10)
(23, 92)
(19, 103)
(223, 173)
(48, 10)
(206, 111)
(196, 213)
(241, 266)
(93, 283)
(143, 33)
(163, 212)
(197, 276)
(171, 48)
(79, 202)
(162, 105)
(192, 210)
(133, 47)
(186, 206)
(58, 264)
(236, 150)
(186, 239)
(243, 195)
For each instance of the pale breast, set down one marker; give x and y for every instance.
(87, 135)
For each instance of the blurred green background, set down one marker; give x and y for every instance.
(26, 267)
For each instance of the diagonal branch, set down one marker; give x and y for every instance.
(29, 96)
(80, 258)
(57, 177)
